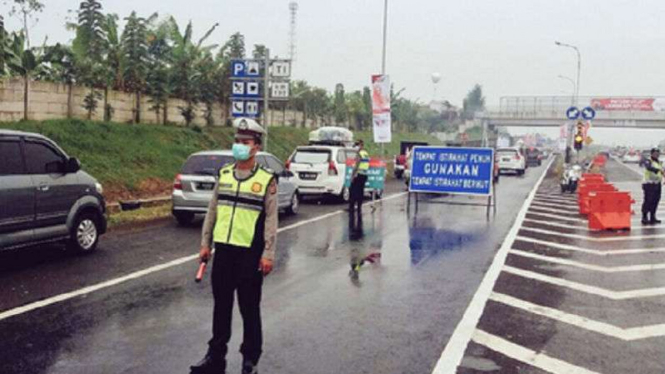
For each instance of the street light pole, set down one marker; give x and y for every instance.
(579, 68)
(577, 91)
(572, 98)
(385, 37)
(383, 55)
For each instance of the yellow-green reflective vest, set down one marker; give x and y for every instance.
(363, 165)
(240, 205)
(653, 178)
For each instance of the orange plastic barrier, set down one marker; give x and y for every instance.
(600, 160)
(586, 190)
(592, 177)
(610, 210)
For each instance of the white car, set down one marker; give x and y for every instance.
(320, 170)
(632, 157)
(511, 159)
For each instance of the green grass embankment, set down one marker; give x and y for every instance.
(141, 160)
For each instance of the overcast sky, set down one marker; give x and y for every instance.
(506, 46)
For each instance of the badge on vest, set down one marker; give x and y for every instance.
(257, 187)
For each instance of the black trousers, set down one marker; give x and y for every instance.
(237, 269)
(357, 193)
(652, 192)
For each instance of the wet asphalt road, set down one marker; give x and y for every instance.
(572, 301)
(395, 316)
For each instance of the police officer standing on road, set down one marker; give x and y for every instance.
(653, 180)
(242, 224)
(358, 180)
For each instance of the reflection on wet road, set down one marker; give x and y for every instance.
(415, 274)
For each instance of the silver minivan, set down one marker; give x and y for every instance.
(45, 196)
(193, 187)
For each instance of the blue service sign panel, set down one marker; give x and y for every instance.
(573, 113)
(588, 113)
(464, 171)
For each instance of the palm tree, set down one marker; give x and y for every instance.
(25, 63)
(60, 66)
(3, 42)
(135, 54)
(185, 75)
(88, 47)
(158, 79)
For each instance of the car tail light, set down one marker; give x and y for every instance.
(517, 157)
(287, 165)
(177, 183)
(332, 169)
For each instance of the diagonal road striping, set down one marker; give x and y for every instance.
(593, 290)
(582, 265)
(528, 356)
(629, 334)
(549, 221)
(596, 252)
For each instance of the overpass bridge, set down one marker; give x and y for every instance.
(550, 111)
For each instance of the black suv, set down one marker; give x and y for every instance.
(45, 196)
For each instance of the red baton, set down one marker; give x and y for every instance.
(202, 270)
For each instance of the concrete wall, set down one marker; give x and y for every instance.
(50, 101)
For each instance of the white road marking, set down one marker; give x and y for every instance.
(153, 269)
(585, 228)
(556, 211)
(566, 208)
(607, 252)
(527, 356)
(563, 208)
(594, 239)
(606, 329)
(558, 217)
(454, 351)
(565, 200)
(555, 196)
(593, 290)
(582, 265)
(556, 224)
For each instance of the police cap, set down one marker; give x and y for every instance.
(247, 128)
(655, 150)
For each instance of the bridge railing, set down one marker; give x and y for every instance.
(561, 115)
(561, 103)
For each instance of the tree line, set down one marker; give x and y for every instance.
(161, 59)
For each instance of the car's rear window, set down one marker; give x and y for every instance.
(311, 156)
(205, 165)
(506, 152)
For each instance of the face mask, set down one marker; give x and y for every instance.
(241, 152)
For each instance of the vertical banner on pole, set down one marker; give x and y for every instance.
(381, 108)
(563, 137)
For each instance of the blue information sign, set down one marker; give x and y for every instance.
(573, 113)
(588, 113)
(467, 171)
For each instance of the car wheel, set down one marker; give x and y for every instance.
(295, 204)
(85, 233)
(378, 194)
(184, 218)
(345, 196)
